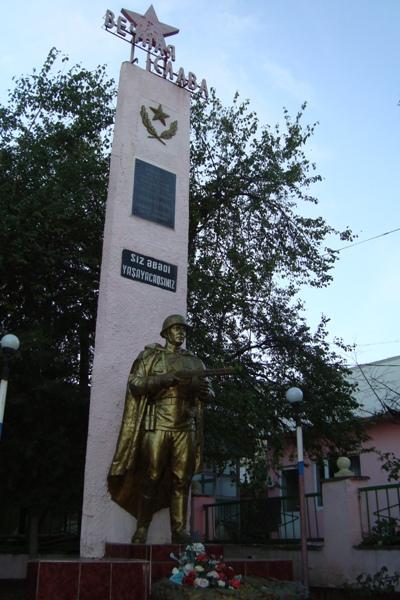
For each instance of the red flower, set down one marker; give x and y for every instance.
(230, 572)
(189, 578)
(220, 567)
(202, 558)
(235, 583)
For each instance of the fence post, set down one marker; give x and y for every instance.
(342, 528)
(201, 516)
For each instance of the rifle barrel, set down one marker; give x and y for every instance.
(206, 372)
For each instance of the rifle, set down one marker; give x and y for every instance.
(190, 373)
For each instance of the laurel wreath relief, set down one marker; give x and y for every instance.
(167, 134)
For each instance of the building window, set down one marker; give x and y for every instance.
(222, 486)
(290, 489)
(355, 465)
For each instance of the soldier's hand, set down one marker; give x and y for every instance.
(205, 393)
(167, 380)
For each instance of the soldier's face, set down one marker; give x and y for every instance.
(176, 334)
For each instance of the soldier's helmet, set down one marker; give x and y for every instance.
(172, 320)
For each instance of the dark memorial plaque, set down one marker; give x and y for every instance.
(154, 194)
(149, 270)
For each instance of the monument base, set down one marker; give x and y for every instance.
(85, 579)
(127, 572)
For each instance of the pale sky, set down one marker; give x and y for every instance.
(341, 56)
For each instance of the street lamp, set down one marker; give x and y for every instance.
(9, 345)
(294, 396)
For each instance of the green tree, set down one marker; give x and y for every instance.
(54, 147)
(251, 251)
(250, 247)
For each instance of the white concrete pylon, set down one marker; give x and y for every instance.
(135, 299)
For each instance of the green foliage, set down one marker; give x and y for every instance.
(385, 533)
(53, 177)
(251, 249)
(54, 147)
(254, 484)
(390, 464)
(46, 449)
(381, 583)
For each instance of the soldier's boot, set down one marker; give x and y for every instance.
(145, 514)
(178, 512)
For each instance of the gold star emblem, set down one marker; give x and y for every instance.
(159, 114)
(149, 30)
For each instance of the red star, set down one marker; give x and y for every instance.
(148, 28)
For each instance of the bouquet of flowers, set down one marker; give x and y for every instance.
(199, 570)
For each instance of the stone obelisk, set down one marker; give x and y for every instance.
(143, 276)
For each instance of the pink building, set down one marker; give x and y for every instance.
(345, 511)
(378, 393)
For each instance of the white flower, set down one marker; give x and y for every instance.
(213, 574)
(175, 571)
(201, 582)
(197, 548)
(221, 583)
(188, 567)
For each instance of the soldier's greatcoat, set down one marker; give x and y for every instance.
(125, 474)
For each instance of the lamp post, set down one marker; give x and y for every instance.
(294, 396)
(9, 345)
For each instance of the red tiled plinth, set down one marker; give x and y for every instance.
(127, 578)
(161, 569)
(95, 581)
(126, 584)
(88, 580)
(57, 580)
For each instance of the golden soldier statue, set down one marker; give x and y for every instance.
(159, 445)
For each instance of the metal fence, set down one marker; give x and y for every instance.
(261, 520)
(380, 510)
(56, 533)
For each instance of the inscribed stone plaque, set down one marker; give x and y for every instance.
(154, 194)
(146, 269)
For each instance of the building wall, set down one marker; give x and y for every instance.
(384, 436)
